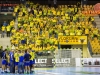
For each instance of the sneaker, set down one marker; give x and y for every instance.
(6, 72)
(2, 72)
(32, 71)
(28, 72)
(25, 72)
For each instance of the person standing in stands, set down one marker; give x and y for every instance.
(8, 30)
(3, 31)
(55, 3)
(5, 23)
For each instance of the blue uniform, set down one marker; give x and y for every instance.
(21, 64)
(21, 58)
(32, 62)
(27, 59)
(4, 61)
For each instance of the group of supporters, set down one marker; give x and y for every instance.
(18, 61)
(39, 26)
(7, 29)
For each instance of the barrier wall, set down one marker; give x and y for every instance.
(66, 62)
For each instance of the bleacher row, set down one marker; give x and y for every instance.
(39, 26)
(95, 46)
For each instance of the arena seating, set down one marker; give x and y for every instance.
(39, 27)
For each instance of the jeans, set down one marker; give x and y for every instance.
(3, 34)
(20, 67)
(12, 68)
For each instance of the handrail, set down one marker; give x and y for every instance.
(90, 48)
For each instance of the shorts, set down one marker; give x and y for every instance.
(16, 63)
(8, 64)
(27, 63)
(4, 62)
(32, 62)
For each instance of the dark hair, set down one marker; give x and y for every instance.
(19, 51)
(5, 50)
(25, 51)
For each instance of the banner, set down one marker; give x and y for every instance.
(90, 62)
(72, 40)
(50, 62)
(91, 12)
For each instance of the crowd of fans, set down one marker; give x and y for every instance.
(39, 25)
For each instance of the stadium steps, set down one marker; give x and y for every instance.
(16, 24)
(4, 42)
(97, 20)
(95, 56)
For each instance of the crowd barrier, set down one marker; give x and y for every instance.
(66, 62)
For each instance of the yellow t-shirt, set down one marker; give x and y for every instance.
(16, 55)
(32, 55)
(13, 31)
(58, 13)
(16, 9)
(25, 25)
(86, 31)
(12, 23)
(8, 58)
(8, 28)
(31, 24)
(3, 28)
(38, 42)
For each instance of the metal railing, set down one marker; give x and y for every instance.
(90, 48)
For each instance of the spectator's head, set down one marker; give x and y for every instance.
(5, 50)
(1, 47)
(19, 51)
(4, 21)
(12, 50)
(25, 51)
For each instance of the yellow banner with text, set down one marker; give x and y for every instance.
(72, 40)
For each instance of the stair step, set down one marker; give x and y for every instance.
(4, 42)
(97, 20)
(98, 23)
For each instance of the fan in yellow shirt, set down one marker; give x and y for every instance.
(12, 23)
(13, 31)
(16, 56)
(3, 28)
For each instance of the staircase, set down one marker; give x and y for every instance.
(96, 56)
(97, 20)
(4, 42)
